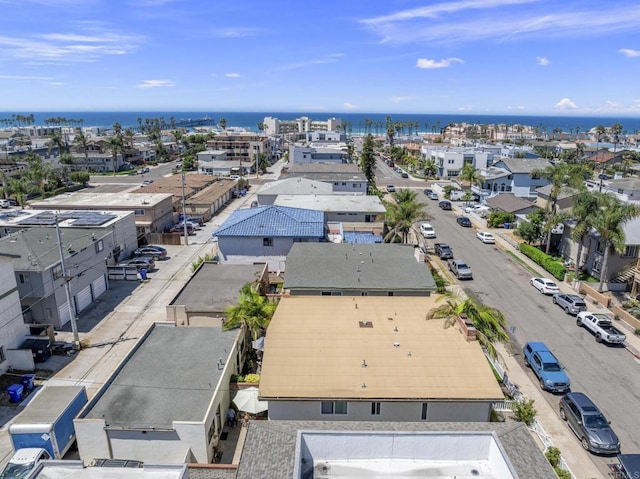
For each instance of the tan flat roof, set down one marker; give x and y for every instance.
(316, 347)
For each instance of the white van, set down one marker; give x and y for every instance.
(24, 461)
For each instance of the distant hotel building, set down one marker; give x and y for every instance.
(274, 126)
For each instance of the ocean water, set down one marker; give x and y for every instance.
(249, 120)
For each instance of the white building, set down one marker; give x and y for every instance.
(11, 320)
(451, 160)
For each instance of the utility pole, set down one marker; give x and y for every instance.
(184, 215)
(67, 277)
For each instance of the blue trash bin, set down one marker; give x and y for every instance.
(507, 226)
(15, 392)
(27, 381)
(143, 274)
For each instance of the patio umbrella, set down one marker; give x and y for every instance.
(247, 400)
(258, 344)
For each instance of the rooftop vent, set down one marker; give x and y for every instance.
(365, 324)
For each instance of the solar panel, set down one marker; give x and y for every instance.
(93, 219)
(80, 218)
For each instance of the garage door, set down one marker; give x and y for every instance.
(63, 314)
(99, 286)
(84, 299)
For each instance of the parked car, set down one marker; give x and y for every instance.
(190, 224)
(427, 230)
(146, 182)
(197, 220)
(179, 228)
(391, 189)
(428, 191)
(545, 285)
(445, 205)
(571, 303)
(479, 210)
(155, 252)
(4, 203)
(546, 367)
(434, 196)
(589, 424)
(404, 174)
(141, 262)
(23, 462)
(464, 221)
(485, 237)
(12, 202)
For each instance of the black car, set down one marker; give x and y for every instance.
(464, 221)
(445, 205)
(405, 175)
(428, 191)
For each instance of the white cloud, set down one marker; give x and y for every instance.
(542, 61)
(350, 106)
(232, 75)
(156, 84)
(400, 99)
(24, 78)
(465, 108)
(331, 58)
(427, 63)
(240, 32)
(628, 52)
(566, 104)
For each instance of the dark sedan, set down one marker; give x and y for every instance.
(464, 221)
(155, 252)
(445, 205)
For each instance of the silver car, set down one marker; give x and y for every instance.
(571, 303)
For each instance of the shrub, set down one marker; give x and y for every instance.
(553, 456)
(562, 474)
(252, 378)
(524, 411)
(237, 378)
(498, 218)
(556, 268)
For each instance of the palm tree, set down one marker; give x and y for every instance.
(489, 322)
(253, 312)
(82, 142)
(609, 222)
(585, 205)
(600, 131)
(223, 123)
(470, 174)
(402, 214)
(114, 144)
(561, 176)
(616, 129)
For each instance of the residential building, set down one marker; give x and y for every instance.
(355, 358)
(325, 136)
(153, 211)
(240, 147)
(119, 224)
(450, 160)
(304, 154)
(327, 269)
(209, 160)
(510, 203)
(268, 192)
(167, 401)
(275, 126)
(108, 469)
(211, 290)
(346, 178)
(11, 320)
(626, 189)
(514, 175)
(268, 231)
(564, 201)
(352, 209)
(299, 449)
(40, 276)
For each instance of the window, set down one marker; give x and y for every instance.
(333, 407)
(22, 278)
(355, 185)
(630, 252)
(423, 413)
(139, 212)
(600, 247)
(57, 271)
(267, 241)
(99, 246)
(390, 293)
(375, 408)
(344, 184)
(3, 355)
(364, 293)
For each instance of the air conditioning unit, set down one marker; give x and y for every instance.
(322, 470)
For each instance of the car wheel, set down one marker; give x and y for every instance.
(579, 322)
(542, 386)
(563, 414)
(526, 362)
(598, 338)
(566, 310)
(585, 443)
(554, 300)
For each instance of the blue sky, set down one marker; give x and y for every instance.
(477, 56)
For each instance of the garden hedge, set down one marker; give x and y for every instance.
(556, 268)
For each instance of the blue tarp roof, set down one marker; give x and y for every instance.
(274, 221)
(361, 237)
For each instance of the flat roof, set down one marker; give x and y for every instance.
(317, 346)
(295, 186)
(361, 267)
(215, 286)
(93, 201)
(170, 376)
(333, 203)
(76, 470)
(270, 448)
(48, 404)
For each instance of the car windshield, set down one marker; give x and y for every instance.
(552, 367)
(17, 471)
(595, 421)
(462, 266)
(550, 284)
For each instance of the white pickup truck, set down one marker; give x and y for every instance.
(601, 327)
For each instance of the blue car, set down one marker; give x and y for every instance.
(546, 367)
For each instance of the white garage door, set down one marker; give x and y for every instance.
(63, 314)
(99, 286)
(84, 299)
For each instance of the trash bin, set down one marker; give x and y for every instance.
(143, 274)
(27, 381)
(507, 226)
(15, 392)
